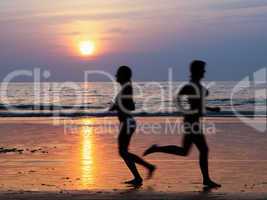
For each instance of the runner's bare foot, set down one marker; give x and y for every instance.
(211, 184)
(135, 182)
(151, 171)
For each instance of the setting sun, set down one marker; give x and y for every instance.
(87, 48)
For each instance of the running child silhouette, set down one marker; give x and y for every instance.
(191, 101)
(124, 105)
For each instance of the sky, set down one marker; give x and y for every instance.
(151, 36)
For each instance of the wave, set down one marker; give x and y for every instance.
(44, 107)
(89, 109)
(136, 114)
(87, 106)
(237, 102)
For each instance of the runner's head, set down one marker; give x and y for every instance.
(197, 70)
(124, 74)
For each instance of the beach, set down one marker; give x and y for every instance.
(78, 157)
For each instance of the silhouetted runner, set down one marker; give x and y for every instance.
(124, 104)
(191, 101)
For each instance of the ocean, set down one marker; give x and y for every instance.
(152, 98)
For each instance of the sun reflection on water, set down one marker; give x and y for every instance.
(87, 153)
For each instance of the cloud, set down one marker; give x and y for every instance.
(237, 4)
(117, 30)
(74, 33)
(79, 16)
(107, 38)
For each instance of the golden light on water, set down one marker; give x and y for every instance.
(87, 153)
(87, 48)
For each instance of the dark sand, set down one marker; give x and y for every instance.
(130, 195)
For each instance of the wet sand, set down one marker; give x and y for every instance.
(78, 159)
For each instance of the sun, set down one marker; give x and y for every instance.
(87, 48)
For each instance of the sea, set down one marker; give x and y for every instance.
(151, 98)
